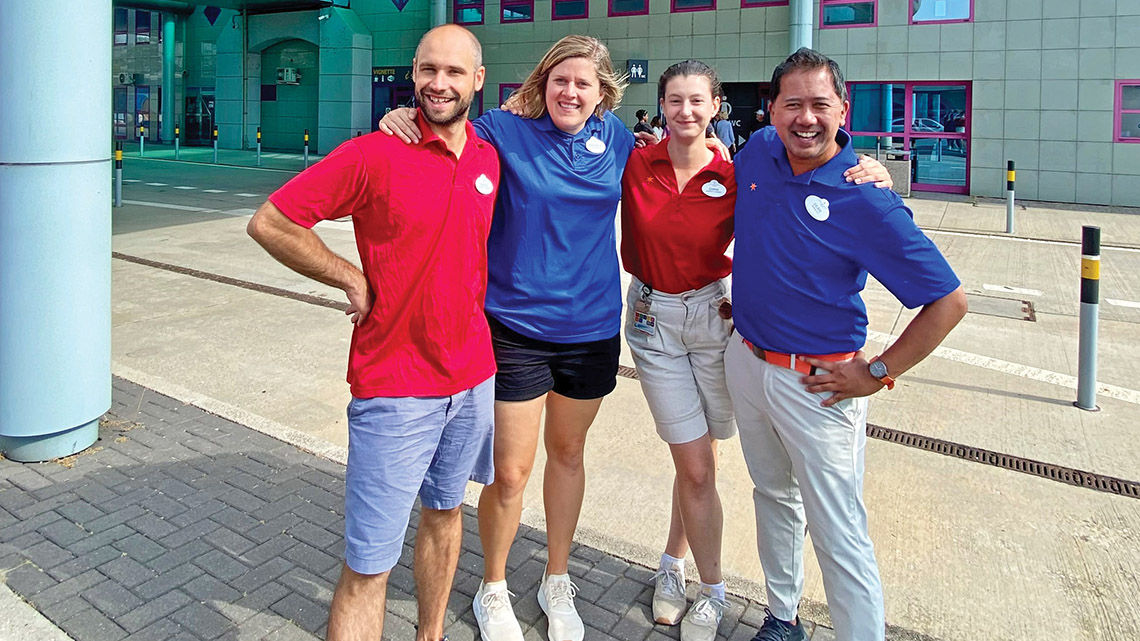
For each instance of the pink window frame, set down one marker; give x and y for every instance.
(910, 18)
(482, 4)
(585, 10)
(673, 7)
(1119, 111)
(516, 3)
(908, 112)
(511, 87)
(748, 4)
(830, 3)
(614, 14)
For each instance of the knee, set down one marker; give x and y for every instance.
(511, 480)
(697, 479)
(567, 453)
(431, 516)
(353, 582)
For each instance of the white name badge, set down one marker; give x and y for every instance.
(713, 189)
(484, 185)
(817, 207)
(595, 145)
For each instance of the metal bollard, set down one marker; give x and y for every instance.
(215, 144)
(176, 142)
(118, 174)
(1009, 176)
(142, 140)
(306, 148)
(358, 133)
(1090, 305)
(259, 146)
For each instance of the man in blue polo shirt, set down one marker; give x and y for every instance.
(805, 241)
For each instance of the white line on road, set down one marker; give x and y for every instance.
(1006, 289)
(1123, 303)
(183, 187)
(214, 191)
(1016, 369)
(131, 180)
(1040, 241)
(157, 184)
(244, 195)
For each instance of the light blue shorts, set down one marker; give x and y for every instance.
(401, 447)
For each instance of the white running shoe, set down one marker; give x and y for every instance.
(495, 615)
(703, 619)
(668, 596)
(556, 598)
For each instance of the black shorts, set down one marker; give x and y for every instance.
(529, 368)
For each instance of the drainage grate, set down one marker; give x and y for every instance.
(1066, 475)
(1002, 307)
(627, 372)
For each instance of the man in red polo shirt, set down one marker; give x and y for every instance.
(421, 368)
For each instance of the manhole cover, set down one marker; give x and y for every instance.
(1003, 307)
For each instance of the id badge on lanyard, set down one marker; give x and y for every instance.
(643, 321)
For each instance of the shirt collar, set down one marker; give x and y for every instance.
(593, 125)
(429, 137)
(830, 172)
(659, 153)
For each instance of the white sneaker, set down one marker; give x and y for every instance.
(556, 598)
(703, 619)
(668, 596)
(495, 615)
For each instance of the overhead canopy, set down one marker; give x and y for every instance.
(249, 6)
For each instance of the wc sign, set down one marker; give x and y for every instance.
(637, 70)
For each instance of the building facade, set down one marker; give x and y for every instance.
(956, 86)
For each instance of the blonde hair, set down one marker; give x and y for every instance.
(531, 96)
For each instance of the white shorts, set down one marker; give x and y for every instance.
(681, 365)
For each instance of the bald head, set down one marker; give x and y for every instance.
(452, 31)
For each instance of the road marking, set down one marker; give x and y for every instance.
(131, 180)
(157, 184)
(1123, 303)
(1017, 369)
(244, 195)
(1006, 289)
(1039, 241)
(183, 187)
(214, 191)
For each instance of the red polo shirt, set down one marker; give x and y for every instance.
(675, 242)
(421, 218)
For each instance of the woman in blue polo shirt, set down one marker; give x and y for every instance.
(554, 304)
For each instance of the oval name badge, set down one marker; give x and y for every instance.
(714, 189)
(595, 145)
(484, 185)
(817, 207)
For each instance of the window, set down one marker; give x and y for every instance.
(468, 11)
(847, 13)
(744, 4)
(629, 7)
(926, 122)
(935, 11)
(680, 6)
(1127, 111)
(517, 11)
(568, 9)
(120, 27)
(142, 27)
(505, 91)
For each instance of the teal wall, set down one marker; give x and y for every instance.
(284, 120)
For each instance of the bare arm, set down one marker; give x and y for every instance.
(301, 250)
(850, 379)
(869, 170)
(401, 122)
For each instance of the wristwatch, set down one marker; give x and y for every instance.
(879, 370)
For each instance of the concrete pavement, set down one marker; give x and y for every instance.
(962, 546)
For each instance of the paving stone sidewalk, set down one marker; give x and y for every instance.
(179, 524)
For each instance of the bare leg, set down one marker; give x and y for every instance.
(500, 503)
(564, 482)
(677, 546)
(438, 540)
(699, 503)
(357, 612)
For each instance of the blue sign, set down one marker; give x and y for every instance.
(638, 71)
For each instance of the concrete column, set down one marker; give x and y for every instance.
(55, 226)
(169, 99)
(799, 24)
(438, 12)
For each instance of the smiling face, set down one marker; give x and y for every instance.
(572, 93)
(688, 106)
(446, 76)
(807, 113)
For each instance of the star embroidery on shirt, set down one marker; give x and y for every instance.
(649, 180)
(752, 187)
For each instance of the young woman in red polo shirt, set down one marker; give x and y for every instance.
(678, 199)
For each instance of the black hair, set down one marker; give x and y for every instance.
(689, 68)
(641, 113)
(806, 59)
(656, 121)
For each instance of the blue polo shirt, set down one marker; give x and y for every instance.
(804, 246)
(552, 251)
